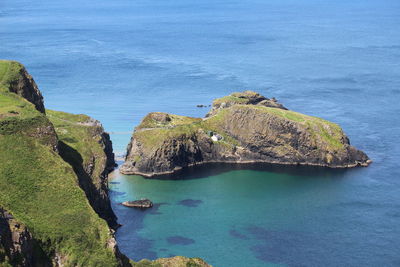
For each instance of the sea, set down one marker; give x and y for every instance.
(117, 60)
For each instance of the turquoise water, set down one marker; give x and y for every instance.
(118, 60)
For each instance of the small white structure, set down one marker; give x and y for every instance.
(216, 137)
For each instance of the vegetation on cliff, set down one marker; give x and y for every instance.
(41, 190)
(88, 149)
(53, 184)
(250, 130)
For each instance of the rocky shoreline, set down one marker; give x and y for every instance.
(53, 180)
(252, 129)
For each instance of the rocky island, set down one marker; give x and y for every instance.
(54, 203)
(243, 127)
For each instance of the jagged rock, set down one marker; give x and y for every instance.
(87, 147)
(178, 261)
(17, 80)
(252, 132)
(142, 203)
(244, 98)
(17, 244)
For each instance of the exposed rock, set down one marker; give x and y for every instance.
(18, 80)
(42, 190)
(56, 226)
(87, 147)
(244, 98)
(17, 246)
(177, 261)
(251, 133)
(142, 203)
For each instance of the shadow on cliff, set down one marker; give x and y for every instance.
(100, 203)
(211, 169)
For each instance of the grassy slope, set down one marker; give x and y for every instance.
(9, 71)
(327, 131)
(72, 131)
(41, 190)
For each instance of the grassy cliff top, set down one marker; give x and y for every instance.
(39, 188)
(81, 136)
(9, 71)
(165, 120)
(324, 130)
(238, 98)
(12, 105)
(41, 191)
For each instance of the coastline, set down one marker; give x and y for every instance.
(244, 162)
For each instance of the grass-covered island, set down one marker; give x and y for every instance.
(243, 127)
(54, 205)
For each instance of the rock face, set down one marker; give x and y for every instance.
(85, 145)
(142, 204)
(53, 183)
(40, 190)
(177, 261)
(17, 80)
(17, 246)
(244, 98)
(251, 132)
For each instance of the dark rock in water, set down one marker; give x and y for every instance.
(241, 128)
(142, 203)
(201, 106)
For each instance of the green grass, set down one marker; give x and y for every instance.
(9, 71)
(176, 120)
(230, 99)
(330, 133)
(41, 191)
(12, 105)
(85, 139)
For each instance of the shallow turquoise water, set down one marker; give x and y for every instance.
(118, 60)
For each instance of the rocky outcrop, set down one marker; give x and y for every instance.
(177, 261)
(244, 98)
(17, 245)
(250, 132)
(85, 145)
(141, 203)
(56, 226)
(16, 79)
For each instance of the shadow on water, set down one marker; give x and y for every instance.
(212, 169)
(132, 221)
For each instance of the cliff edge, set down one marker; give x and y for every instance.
(241, 128)
(54, 205)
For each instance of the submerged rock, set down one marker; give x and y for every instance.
(142, 203)
(251, 130)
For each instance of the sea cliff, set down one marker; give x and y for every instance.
(240, 128)
(54, 205)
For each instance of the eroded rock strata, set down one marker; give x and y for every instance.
(85, 145)
(17, 80)
(53, 183)
(240, 128)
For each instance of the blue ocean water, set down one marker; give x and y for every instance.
(340, 60)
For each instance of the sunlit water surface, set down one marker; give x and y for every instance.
(118, 60)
